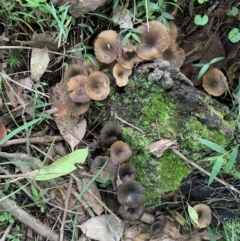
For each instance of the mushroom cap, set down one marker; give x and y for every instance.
(98, 163)
(153, 42)
(106, 46)
(90, 66)
(156, 229)
(214, 82)
(127, 172)
(77, 108)
(98, 86)
(204, 215)
(73, 70)
(130, 194)
(131, 214)
(121, 74)
(130, 59)
(120, 152)
(110, 133)
(76, 85)
(174, 55)
(173, 33)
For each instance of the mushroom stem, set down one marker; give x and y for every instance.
(147, 218)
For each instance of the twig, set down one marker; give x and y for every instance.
(3, 238)
(42, 140)
(227, 185)
(65, 212)
(24, 217)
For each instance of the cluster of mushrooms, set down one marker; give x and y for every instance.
(130, 193)
(156, 42)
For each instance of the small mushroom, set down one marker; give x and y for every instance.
(157, 227)
(106, 46)
(77, 108)
(131, 214)
(127, 172)
(76, 85)
(98, 86)
(98, 163)
(174, 55)
(130, 194)
(120, 152)
(90, 66)
(110, 133)
(214, 82)
(204, 215)
(121, 74)
(74, 70)
(154, 40)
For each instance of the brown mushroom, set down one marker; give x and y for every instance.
(90, 66)
(110, 133)
(98, 163)
(106, 46)
(154, 40)
(74, 70)
(173, 33)
(121, 74)
(131, 214)
(127, 172)
(204, 216)
(130, 194)
(98, 86)
(76, 85)
(156, 229)
(120, 152)
(174, 55)
(214, 82)
(77, 108)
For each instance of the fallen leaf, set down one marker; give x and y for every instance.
(62, 166)
(3, 131)
(122, 17)
(39, 62)
(102, 228)
(159, 147)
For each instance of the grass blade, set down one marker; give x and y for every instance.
(232, 158)
(216, 168)
(212, 145)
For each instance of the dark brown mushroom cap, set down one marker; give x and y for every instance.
(120, 152)
(174, 55)
(74, 70)
(121, 74)
(110, 133)
(204, 215)
(106, 46)
(214, 82)
(76, 86)
(131, 214)
(153, 42)
(127, 172)
(156, 229)
(98, 86)
(77, 108)
(98, 163)
(130, 194)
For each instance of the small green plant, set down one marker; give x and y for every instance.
(17, 236)
(130, 33)
(37, 196)
(232, 229)
(233, 12)
(201, 20)
(13, 59)
(234, 35)
(6, 216)
(197, 46)
(206, 66)
(224, 157)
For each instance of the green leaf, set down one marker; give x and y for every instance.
(2, 218)
(212, 145)
(20, 128)
(232, 159)
(200, 20)
(216, 60)
(234, 35)
(168, 16)
(34, 191)
(216, 168)
(136, 37)
(62, 166)
(203, 70)
(193, 214)
(238, 125)
(233, 12)
(125, 39)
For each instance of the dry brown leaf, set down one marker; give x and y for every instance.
(134, 231)
(143, 237)
(71, 129)
(231, 72)
(39, 62)
(3, 131)
(102, 228)
(159, 147)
